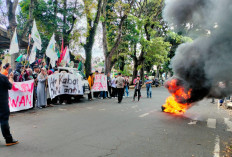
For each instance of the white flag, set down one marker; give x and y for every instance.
(14, 46)
(33, 54)
(51, 52)
(67, 56)
(36, 37)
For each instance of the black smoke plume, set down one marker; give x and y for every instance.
(204, 65)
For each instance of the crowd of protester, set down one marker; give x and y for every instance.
(118, 85)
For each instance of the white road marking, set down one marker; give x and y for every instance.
(102, 109)
(192, 122)
(229, 124)
(144, 115)
(217, 147)
(89, 108)
(211, 123)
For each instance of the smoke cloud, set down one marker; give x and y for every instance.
(204, 65)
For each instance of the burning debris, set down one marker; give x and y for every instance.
(180, 99)
(200, 66)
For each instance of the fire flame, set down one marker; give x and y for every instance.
(177, 103)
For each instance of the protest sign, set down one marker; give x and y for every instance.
(100, 83)
(21, 96)
(64, 83)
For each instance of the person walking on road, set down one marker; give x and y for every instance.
(127, 84)
(120, 87)
(138, 84)
(148, 87)
(5, 85)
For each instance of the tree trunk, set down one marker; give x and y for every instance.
(90, 39)
(135, 70)
(108, 66)
(158, 72)
(11, 8)
(142, 72)
(88, 54)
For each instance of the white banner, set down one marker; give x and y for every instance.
(50, 52)
(21, 96)
(33, 54)
(64, 83)
(100, 83)
(36, 37)
(14, 46)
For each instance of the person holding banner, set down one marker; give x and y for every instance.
(41, 89)
(5, 85)
(19, 72)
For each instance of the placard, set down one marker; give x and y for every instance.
(64, 83)
(21, 96)
(100, 83)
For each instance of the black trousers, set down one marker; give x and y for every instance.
(109, 91)
(120, 94)
(114, 92)
(5, 127)
(90, 95)
(135, 94)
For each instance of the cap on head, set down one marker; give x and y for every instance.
(119, 73)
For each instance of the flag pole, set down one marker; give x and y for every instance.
(28, 48)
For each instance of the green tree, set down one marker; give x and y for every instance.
(48, 22)
(92, 22)
(114, 14)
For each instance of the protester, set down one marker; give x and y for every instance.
(41, 89)
(26, 75)
(30, 74)
(109, 85)
(138, 84)
(114, 86)
(148, 87)
(6, 69)
(103, 93)
(49, 100)
(120, 87)
(19, 72)
(5, 85)
(127, 84)
(90, 80)
(35, 76)
(96, 94)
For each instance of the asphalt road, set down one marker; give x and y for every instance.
(104, 128)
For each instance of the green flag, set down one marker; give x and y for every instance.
(19, 58)
(58, 52)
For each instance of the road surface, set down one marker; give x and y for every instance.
(104, 128)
